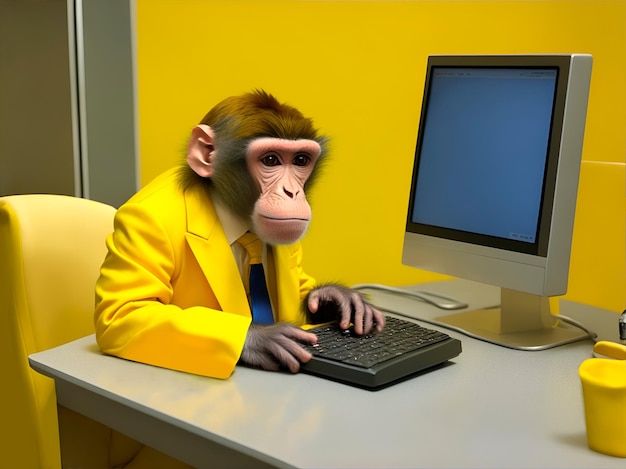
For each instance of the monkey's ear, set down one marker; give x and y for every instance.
(201, 150)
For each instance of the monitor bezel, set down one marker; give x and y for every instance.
(562, 65)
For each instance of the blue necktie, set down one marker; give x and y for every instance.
(259, 297)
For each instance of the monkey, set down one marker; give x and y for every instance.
(170, 291)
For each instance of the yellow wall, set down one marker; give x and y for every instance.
(357, 67)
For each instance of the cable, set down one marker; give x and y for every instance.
(591, 334)
(419, 296)
(440, 301)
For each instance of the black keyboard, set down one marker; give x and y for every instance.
(402, 349)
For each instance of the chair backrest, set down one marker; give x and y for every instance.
(51, 249)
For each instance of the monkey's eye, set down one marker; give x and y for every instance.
(302, 159)
(270, 160)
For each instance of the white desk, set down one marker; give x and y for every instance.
(491, 408)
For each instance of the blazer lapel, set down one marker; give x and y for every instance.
(286, 288)
(210, 247)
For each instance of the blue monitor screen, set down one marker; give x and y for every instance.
(483, 150)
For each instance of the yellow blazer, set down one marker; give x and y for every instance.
(170, 293)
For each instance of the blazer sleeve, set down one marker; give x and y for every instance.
(135, 317)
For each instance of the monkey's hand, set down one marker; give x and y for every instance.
(336, 302)
(277, 346)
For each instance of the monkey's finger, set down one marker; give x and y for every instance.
(300, 335)
(313, 301)
(345, 318)
(328, 293)
(360, 316)
(301, 355)
(344, 303)
(324, 294)
(290, 354)
(287, 360)
(379, 319)
(368, 318)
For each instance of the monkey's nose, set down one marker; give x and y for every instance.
(289, 193)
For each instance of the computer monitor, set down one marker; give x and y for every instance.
(494, 186)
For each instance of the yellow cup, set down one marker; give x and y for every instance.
(604, 394)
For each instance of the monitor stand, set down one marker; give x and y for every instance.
(523, 321)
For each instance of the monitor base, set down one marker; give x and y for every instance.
(485, 325)
(523, 322)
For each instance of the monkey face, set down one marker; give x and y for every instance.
(280, 168)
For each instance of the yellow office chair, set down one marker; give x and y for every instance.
(51, 249)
